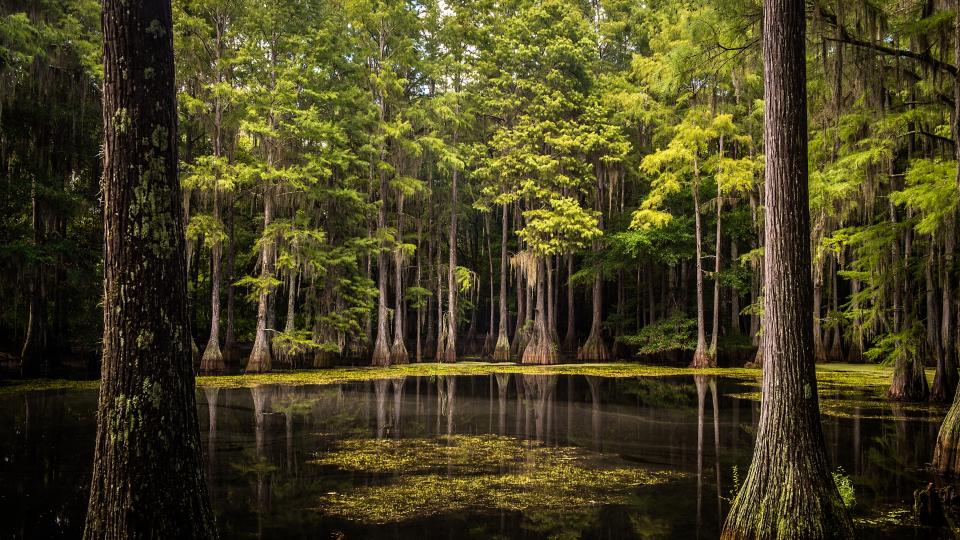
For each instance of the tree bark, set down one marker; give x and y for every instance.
(148, 479)
(788, 492)
(502, 351)
(946, 455)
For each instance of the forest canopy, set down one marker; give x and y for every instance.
(395, 181)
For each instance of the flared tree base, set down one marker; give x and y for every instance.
(702, 359)
(259, 361)
(212, 361)
(909, 382)
(381, 353)
(398, 353)
(488, 345)
(593, 350)
(946, 455)
(501, 353)
(541, 352)
(450, 353)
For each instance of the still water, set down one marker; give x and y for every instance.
(499, 456)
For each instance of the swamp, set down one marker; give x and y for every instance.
(511, 269)
(478, 450)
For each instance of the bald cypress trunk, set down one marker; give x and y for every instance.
(542, 347)
(450, 350)
(788, 492)
(260, 359)
(398, 351)
(212, 360)
(502, 351)
(701, 357)
(946, 455)
(147, 477)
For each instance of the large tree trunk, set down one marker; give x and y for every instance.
(701, 357)
(946, 455)
(502, 351)
(788, 492)
(148, 479)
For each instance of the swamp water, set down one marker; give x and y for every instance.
(492, 456)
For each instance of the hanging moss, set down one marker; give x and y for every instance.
(492, 473)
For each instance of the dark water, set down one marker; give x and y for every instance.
(261, 446)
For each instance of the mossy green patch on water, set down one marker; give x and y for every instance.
(838, 376)
(19, 386)
(426, 477)
(351, 374)
(859, 391)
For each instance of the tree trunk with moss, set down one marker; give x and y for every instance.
(946, 455)
(789, 492)
(148, 479)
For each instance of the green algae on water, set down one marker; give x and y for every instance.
(425, 477)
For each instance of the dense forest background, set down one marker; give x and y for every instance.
(405, 181)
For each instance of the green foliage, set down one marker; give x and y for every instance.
(845, 486)
(676, 332)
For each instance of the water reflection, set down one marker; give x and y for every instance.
(261, 444)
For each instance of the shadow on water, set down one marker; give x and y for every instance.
(506, 456)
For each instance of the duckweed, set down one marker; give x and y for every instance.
(493, 473)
